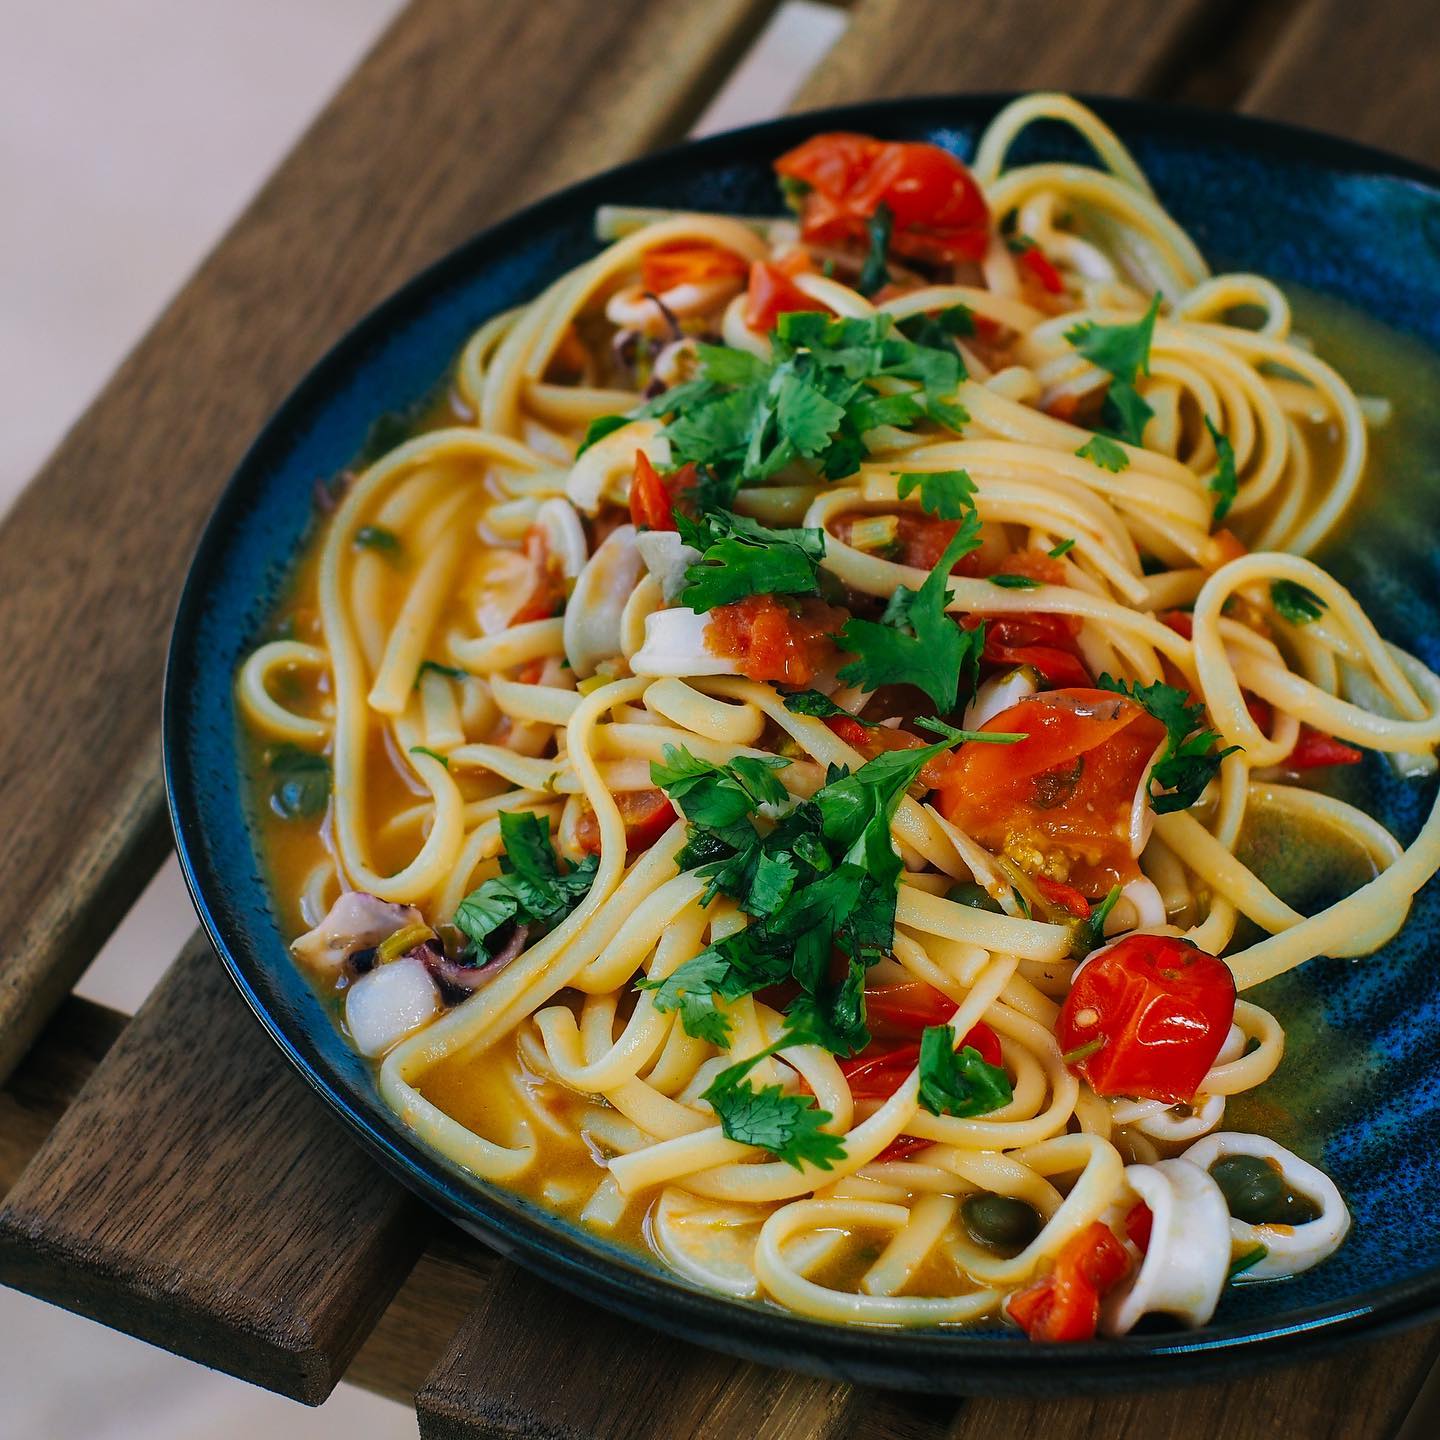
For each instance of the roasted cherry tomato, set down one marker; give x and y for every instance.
(1065, 1304)
(912, 1006)
(1046, 643)
(772, 292)
(1146, 1017)
(1063, 897)
(938, 210)
(1035, 260)
(687, 264)
(1313, 750)
(547, 593)
(647, 815)
(653, 497)
(1139, 1222)
(775, 637)
(1067, 789)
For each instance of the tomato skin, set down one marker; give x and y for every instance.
(907, 1009)
(1160, 1008)
(1182, 622)
(653, 497)
(1035, 260)
(1065, 1304)
(1068, 788)
(939, 211)
(1314, 750)
(1066, 897)
(772, 293)
(1139, 1223)
(686, 263)
(776, 638)
(547, 596)
(647, 814)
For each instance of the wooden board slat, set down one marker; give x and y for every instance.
(914, 47)
(1367, 71)
(196, 1195)
(580, 1374)
(462, 112)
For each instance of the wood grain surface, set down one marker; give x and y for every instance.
(465, 110)
(195, 1195)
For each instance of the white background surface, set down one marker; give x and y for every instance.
(131, 133)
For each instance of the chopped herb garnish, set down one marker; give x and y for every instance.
(1190, 760)
(875, 272)
(1089, 934)
(1123, 350)
(433, 754)
(377, 537)
(389, 429)
(1063, 548)
(788, 1126)
(1248, 1261)
(434, 667)
(531, 889)
(947, 494)
(1083, 1052)
(302, 782)
(915, 642)
(1015, 582)
(958, 1082)
(977, 737)
(1224, 483)
(716, 797)
(1101, 450)
(740, 557)
(1022, 902)
(939, 329)
(822, 707)
(1295, 602)
(599, 428)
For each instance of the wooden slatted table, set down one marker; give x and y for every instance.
(189, 1194)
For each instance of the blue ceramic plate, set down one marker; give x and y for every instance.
(1360, 1090)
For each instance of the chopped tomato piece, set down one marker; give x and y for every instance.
(910, 1007)
(653, 497)
(1139, 1222)
(1182, 622)
(1146, 1017)
(1066, 897)
(1066, 791)
(938, 210)
(773, 293)
(531, 672)
(1065, 1304)
(1227, 546)
(1315, 749)
(776, 637)
(547, 595)
(1046, 643)
(1035, 260)
(647, 815)
(687, 264)
(900, 1147)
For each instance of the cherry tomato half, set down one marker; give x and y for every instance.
(938, 209)
(653, 497)
(1068, 788)
(1147, 1016)
(1065, 1304)
(772, 292)
(667, 266)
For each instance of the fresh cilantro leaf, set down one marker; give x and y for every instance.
(1101, 450)
(822, 707)
(433, 754)
(377, 537)
(771, 884)
(948, 494)
(788, 1126)
(599, 428)
(727, 366)
(387, 430)
(531, 887)
(716, 797)
(937, 330)
(1015, 582)
(1190, 760)
(1295, 602)
(1063, 548)
(805, 415)
(870, 409)
(875, 272)
(740, 557)
(302, 782)
(1225, 482)
(916, 642)
(1126, 412)
(434, 667)
(1123, 350)
(850, 802)
(960, 1083)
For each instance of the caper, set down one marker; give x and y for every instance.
(1256, 1192)
(977, 897)
(1000, 1221)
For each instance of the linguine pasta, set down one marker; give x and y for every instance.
(794, 832)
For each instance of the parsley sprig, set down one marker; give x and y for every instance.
(1225, 482)
(958, 1082)
(1123, 350)
(1295, 602)
(1190, 760)
(531, 888)
(740, 557)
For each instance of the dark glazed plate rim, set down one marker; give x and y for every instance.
(956, 1362)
